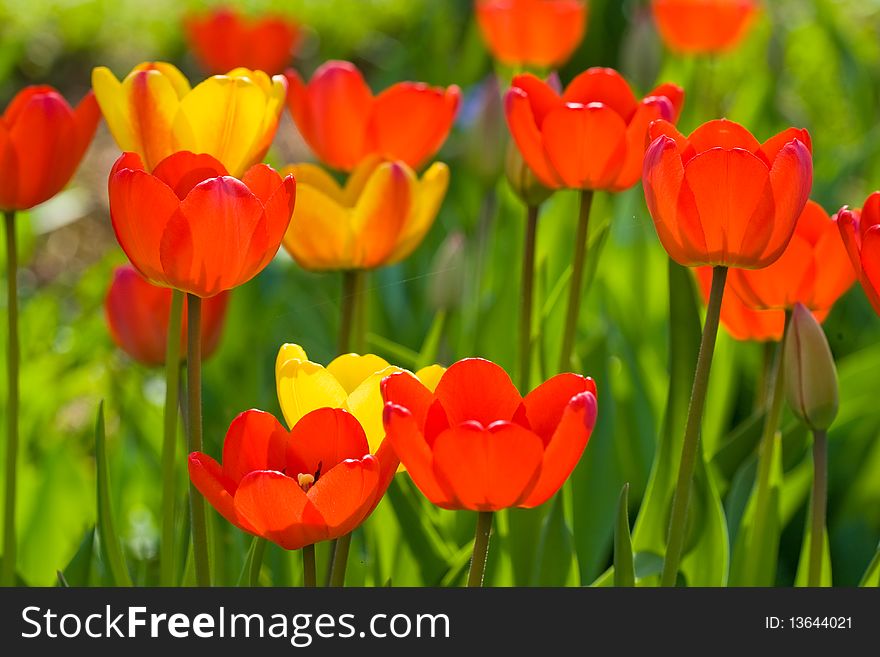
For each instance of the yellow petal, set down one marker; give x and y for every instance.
(366, 404)
(223, 116)
(304, 386)
(428, 197)
(170, 72)
(315, 176)
(319, 236)
(288, 352)
(358, 179)
(352, 369)
(111, 99)
(430, 376)
(381, 212)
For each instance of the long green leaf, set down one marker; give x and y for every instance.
(111, 548)
(872, 574)
(624, 568)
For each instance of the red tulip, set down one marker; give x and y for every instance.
(224, 40)
(860, 230)
(719, 197)
(703, 26)
(137, 314)
(314, 483)
(539, 33)
(42, 141)
(190, 226)
(343, 122)
(475, 443)
(593, 135)
(740, 321)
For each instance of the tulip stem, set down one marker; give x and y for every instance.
(310, 578)
(256, 564)
(169, 440)
(765, 461)
(481, 549)
(577, 280)
(7, 577)
(681, 497)
(340, 560)
(819, 505)
(528, 285)
(194, 388)
(350, 283)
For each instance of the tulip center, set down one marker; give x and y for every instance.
(305, 481)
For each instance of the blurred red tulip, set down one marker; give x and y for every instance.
(475, 443)
(537, 33)
(703, 26)
(860, 230)
(740, 321)
(590, 137)
(190, 226)
(223, 40)
(719, 197)
(313, 483)
(42, 140)
(343, 122)
(137, 314)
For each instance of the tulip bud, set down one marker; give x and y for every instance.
(810, 374)
(523, 181)
(447, 282)
(486, 131)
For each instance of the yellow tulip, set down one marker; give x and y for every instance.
(350, 381)
(378, 218)
(154, 112)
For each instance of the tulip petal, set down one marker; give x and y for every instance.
(430, 376)
(772, 146)
(288, 352)
(255, 441)
(478, 390)
(278, 509)
(674, 94)
(319, 236)
(304, 386)
(208, 478)
(546, 404)
(427, 199)
(111, 99)
(586, 145)
(487, 469)
(870, 259)
(380, 213)
(389, 465)
(542, 98)
(725, 134)
(184, 170)
(414, 453)
(351, 370)
(405, 390)
(565, 448)
(365, 403)
(527, 134)
(321, 440)
(150, 104)
(315, 176)
(648, 111)
(603, 85)
(279, 198)
(346, 493)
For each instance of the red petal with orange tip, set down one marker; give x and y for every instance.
(406, 437)
(545, 404)
(526, 133)
(322, 439)
(278, 509)
(278, 198)
(740, 321)
(345, 494)
(183, 170)
(602, 85)
(254, 441)
(208, 478)
(478, 390)
(870, 258)
(542, 98)
(565, 447)
(585, 144)
(487, 469)
(409, 121)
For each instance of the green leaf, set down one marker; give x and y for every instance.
(803, 571)
(77, 572)
(556, 559)
(111, 548)
(624, 569)
(431, 346)
(872, 574)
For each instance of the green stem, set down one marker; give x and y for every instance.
(775, 398)
(346, 319)
(481, 549)
(762, 389)
(681, 497)
(169, 440)
(7, 576)
(310, 579)
(528, 285)
(194, 407)
(577, 280)
(257, 562)
(340, 560)
(819, 505)
(360, 320)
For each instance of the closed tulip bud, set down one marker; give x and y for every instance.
(485, 131)
(447, 273)
(810, 374)
(523, 180)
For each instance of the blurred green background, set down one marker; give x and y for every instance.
(809, 63)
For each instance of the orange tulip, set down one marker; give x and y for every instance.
(703, 26)
(190, 226)
(137, 314)
(42, 141)
(224, 40)
(590, 137)
(719, 197)
(313, 483)
(475, 443)
(538, 33)
(860, 230)
(343, 122)
(740, 321)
